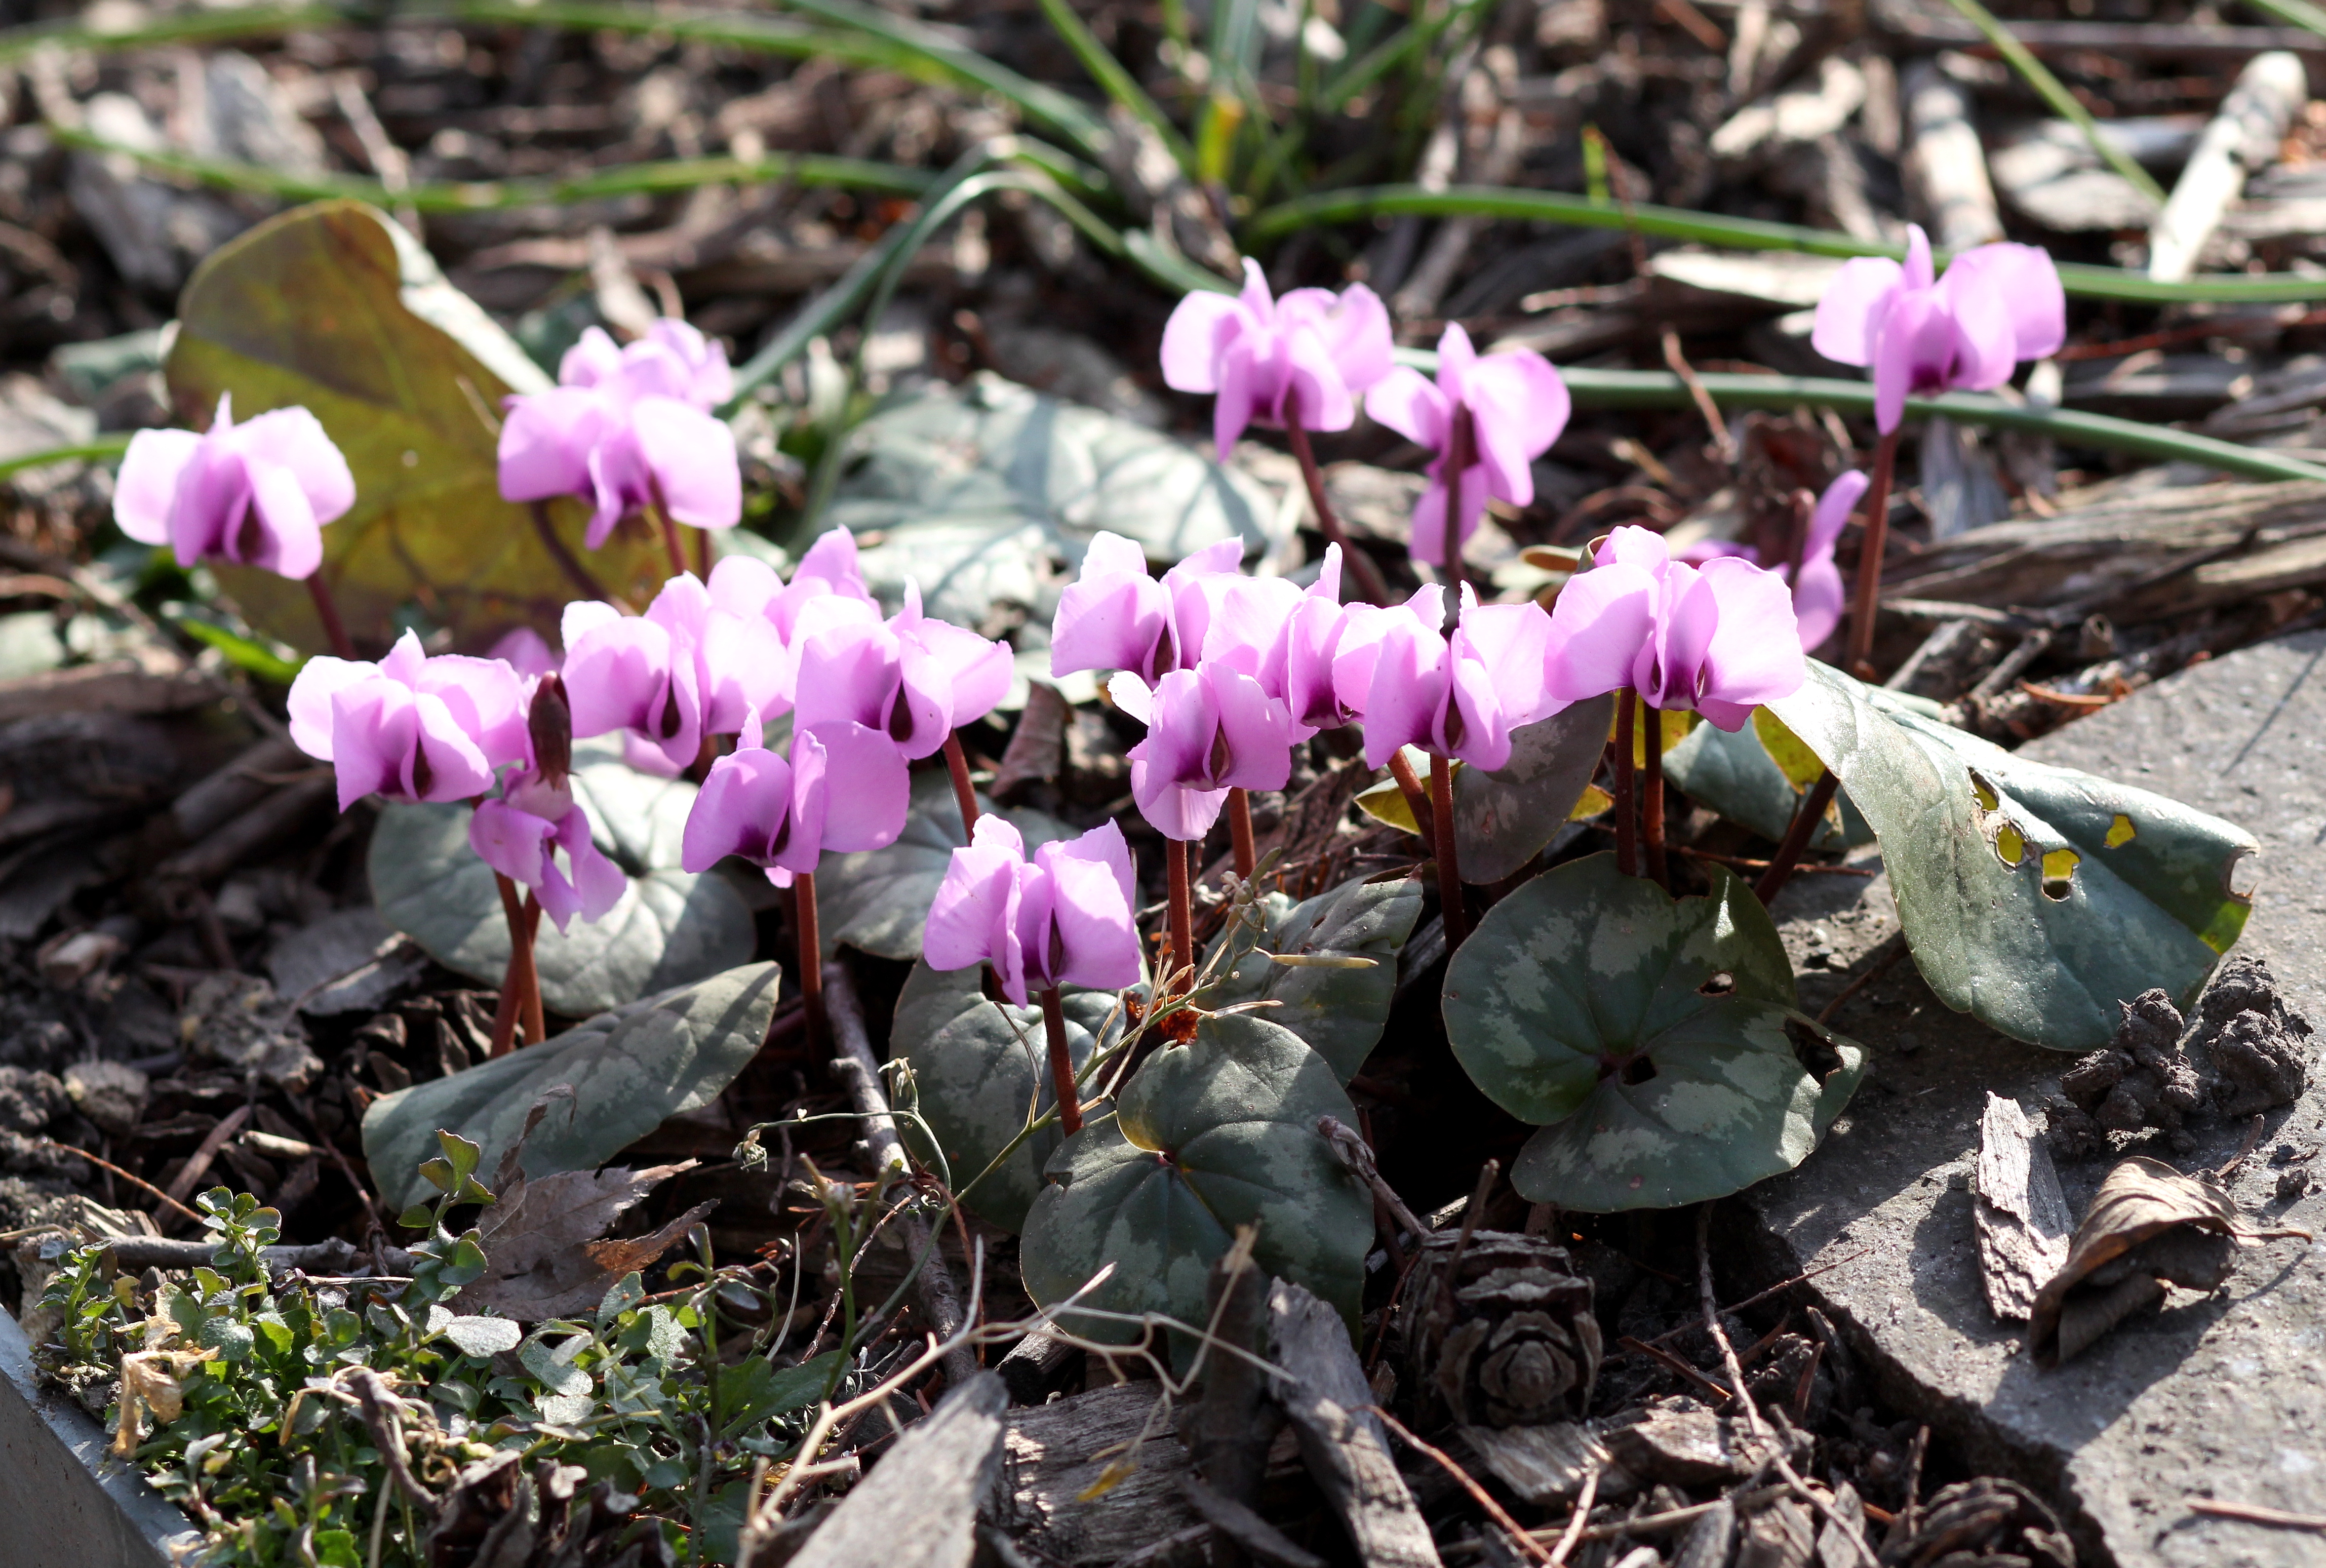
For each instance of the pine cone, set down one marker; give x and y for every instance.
(1516, 1346)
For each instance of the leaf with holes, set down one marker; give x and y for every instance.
(1336, 1004)
(334, 308)
(630, 1070)
(1647, 1035)
(670, 928)
(1208, 1136)
(877, 900)
(1737, 776)
(982, 1071)
(2036, 899)
(977, 490)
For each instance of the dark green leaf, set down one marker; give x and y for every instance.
(979, 492)
(1338, 1010)
(982, 1070)
(2035, 898)
(629, 1069)
(878, 900)
(1649, 1032)
(755, 1391)
(1208, 1136)
(1503, 819)
(669, 928)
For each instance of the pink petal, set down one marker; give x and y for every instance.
(509, 840)
(1174, 810)
(148, 482)
(1090, 909)
(616, 676)
(1598, 625)
(457, 767)
(2029, 284)
(1754, 655)
(309, 702)
(739, 810)
(973, 919)
(1410, 685)
(1324, 399)
(1243, 395)
(868, 788)
(1914, 352)
(293, 439)
(692, 458)
(291, 543)
(1518, 406)
(1832, 513)
(1985, 344)
(1851, 312)
(1193, 337)
(1256, 730)
(374, 728)
(1406, 402)
(545, 441)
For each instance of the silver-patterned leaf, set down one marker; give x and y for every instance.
(1338, 1010)
(1503, 819)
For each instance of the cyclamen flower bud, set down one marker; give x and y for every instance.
(549, 724)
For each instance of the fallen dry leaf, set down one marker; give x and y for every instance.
(543, 1240)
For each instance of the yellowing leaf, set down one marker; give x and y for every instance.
(2010, 844)
(334, 308)
(1385, 802)
(1595, 801)
(1111, 1477)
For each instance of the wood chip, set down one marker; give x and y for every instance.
(2023, 1217)
(917, 1509)
(1344, 1446)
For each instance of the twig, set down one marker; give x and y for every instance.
(138, 1181)
(379, 1408)
(1470, 1213)
(1478, 1494)
(1674, 1364)
(198, 1165)
(852, 1063)
(2253, 1514)
(1580, 1518)
(1353, 1152)
(1724, 442)
(1746, 862)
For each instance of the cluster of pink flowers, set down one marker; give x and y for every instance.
(866, 695)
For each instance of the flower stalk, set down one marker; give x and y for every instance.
(1062, 1063)
(1869, 559)
(520, 1009)
(1417, 801)
(1183, 915)
(811, 955)
(1456, 914)
(1652, 801)
(964, 793)
(1239, 835)
(1627, 851)
(335, 631)
(1371, 586)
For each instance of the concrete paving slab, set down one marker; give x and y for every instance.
(2222, 1395)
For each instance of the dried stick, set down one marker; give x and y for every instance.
(1478, 1494)
(1352, 1150)
(181, 1186)
(379, 1408)
(1579, 1518)
(853, 1064)
(137, 1181)
(2253, 1514)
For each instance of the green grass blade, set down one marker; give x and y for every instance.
(2299, 12)
(481, 196)
(1360, 204)
(102, 450)
(2064, 104)
(1118, 83)
(185, 28)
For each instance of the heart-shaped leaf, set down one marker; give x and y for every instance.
(977, 490)
(669, 928)
(334, 308)
(982, 1071)
(1335, 1006)
(1735, 775)
(629, 1071)
(1503, 819)
(878, 899)
(1206, 1137)
(1649, 1032)
(2036, 899)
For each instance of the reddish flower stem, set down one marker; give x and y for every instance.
(703, 553)
(520, 1009)
(1806, 818)
(1455, 912)
(964, 794)
(1627, 851)
(1062, 1064)
(327, 610)
(1371, 586)
(1417, 801)
(1239, 831)
(670, 540)
(1652, 801)
(575, 572)
(811, 955)
(1869, 558)
(1183, 914)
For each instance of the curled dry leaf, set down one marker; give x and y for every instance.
(2147, 1225)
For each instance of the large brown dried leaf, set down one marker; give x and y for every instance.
(2143, 1204)
(541, 1240)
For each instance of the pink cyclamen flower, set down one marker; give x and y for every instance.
(1819, 597)
(673, 359)
(1312, 353)
(912, 678)
(1460, 696)
(1114, 616)
(257, 493)
(520, 835)
(411, 727)
(845, 787)
(684, 669)
(1064, 919)
(1209, 730)
(1997, 305)
(1514, 405)
(1720, 638)
(627, 430)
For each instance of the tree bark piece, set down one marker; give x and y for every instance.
(1342, 1444)
(1234, 1421)
(1058, 1454)
(2024, 1223)
(1946, 164)
(918, 1507)
(1038, 1366)
(853, 1064)
(2243, 137)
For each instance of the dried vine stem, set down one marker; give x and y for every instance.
(853, 1064)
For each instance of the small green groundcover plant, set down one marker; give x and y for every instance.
(364, 1422)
